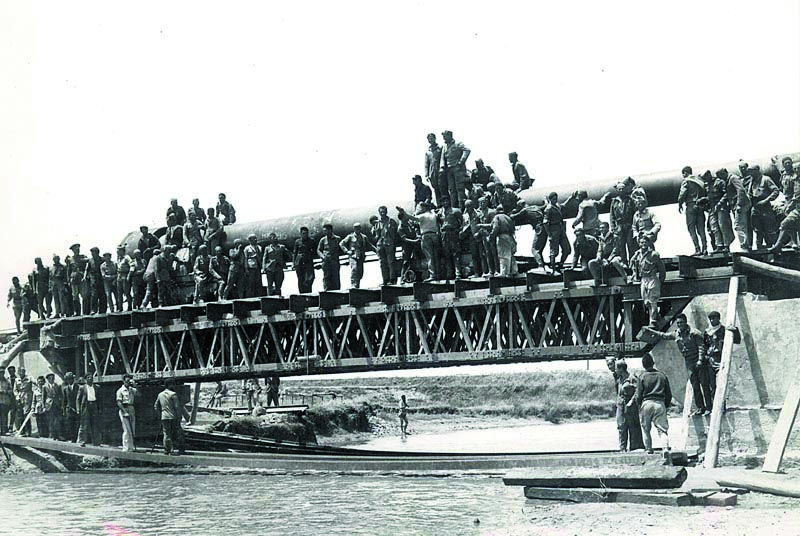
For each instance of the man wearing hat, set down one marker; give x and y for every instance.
(714, 340)
(454, 160)
(147, 244)
(54, 407)
(70, 392)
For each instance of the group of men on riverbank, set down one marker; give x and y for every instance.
(640, 397)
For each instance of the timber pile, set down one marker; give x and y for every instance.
(645, 484)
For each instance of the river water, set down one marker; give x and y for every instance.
(238, 503)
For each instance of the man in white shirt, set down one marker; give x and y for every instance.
(88, 413)
(126, 397)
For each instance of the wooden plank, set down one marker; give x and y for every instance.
(578, 495)
(765, 483)
(714, 498)
(786, 420)
(714, 427)
(623, 477)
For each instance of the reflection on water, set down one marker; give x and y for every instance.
(249, 504)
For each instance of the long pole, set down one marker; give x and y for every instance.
(712, 442)
(195, 402)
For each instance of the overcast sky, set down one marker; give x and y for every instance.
(107, 109)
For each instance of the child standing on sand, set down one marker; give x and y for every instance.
(403, 413)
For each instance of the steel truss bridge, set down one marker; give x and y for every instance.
(529, 318)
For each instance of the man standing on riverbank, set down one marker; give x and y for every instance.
(169, 406)
(88, 413)
(654, 396)
(126, 396)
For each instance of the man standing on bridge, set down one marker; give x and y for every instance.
(253, 257)
(791, 223)
(433, 159)
(328, 250)
(455, 157)
(355, 246)
(275, 258)
(648, 268)
(522, 180)
(304, 261)
(385, 235)
(225, 210)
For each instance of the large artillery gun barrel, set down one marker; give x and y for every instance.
(662, 189)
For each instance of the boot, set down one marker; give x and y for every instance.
(783, 238)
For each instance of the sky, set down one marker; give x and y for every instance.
(107, 110)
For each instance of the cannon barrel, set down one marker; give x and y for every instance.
(662, 189)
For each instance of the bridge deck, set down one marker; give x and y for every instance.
(531, 317)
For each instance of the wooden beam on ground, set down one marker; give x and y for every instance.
(765, 483)
(780, 436)
(714, 427)
(583, 495)
(623, 477)
(195, 402)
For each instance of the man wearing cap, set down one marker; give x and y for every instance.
(54, 406)
(126, 400)
(644, 220)
(88, 412)
(328, 250)
(692, 190)
(176, 210)
(433, 159)
(235, 285)
(147, 244)
(95, 278)
(70, 391)
(225, 210)
(304, 261)
(108, 269)
(253, 257)
(136, 284)
(41, 283)
(6, 394)
(521, 177)
(791, 222)
(62, 299)
(355, 247)
(454, 159)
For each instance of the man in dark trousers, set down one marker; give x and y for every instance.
(692, 190)
(273, 386)
(54, 406)
(88, 413)
(385, 236)
(692, 346)
(275, 258)
(70, 389)
(654, 396)
(714, 340)
(304, 261)
(328, 250)
(169, 406)
(628, 425)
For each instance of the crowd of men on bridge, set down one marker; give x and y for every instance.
(457, 212)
